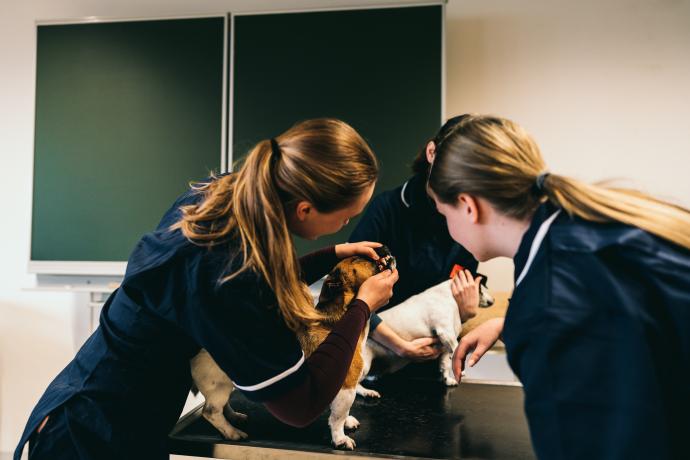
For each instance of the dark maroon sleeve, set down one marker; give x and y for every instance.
(326, 371)
(317, 264)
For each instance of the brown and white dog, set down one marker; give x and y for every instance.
(339, 289)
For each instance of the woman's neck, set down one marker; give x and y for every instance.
(506, 234)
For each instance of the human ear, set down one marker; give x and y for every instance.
(430, 152)
(302, 210)
(469, 206)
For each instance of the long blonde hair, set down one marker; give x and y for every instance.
(321, 161)
(495, 159)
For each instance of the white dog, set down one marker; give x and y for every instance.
(433, 312)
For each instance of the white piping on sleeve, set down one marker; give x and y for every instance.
(274, 379)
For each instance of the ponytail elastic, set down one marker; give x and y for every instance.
(538, 187)
(275, 151)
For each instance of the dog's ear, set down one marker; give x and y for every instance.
(332, 287)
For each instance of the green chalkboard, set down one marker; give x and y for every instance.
(378, 69)
(126, 114)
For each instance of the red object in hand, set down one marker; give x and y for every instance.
(455, 270)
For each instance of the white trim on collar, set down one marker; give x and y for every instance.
(272, 380)
(402, 194)
(536, 244)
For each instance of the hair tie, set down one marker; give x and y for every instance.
(539, 183)
(275, 150)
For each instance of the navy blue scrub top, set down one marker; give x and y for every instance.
(405, 219)
(126, 387)
(598, 331)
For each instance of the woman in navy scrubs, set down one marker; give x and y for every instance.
(220, 272)
(598, 328)
(405, 220)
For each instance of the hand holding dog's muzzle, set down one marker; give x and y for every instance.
(377, 290)
(361, 248)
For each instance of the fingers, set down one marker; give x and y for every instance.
(427, 341)
(477, 354)
(462, 278)
(459, 358)
(454, 287)
(469, 279)
(425, 348)
(392, 275)
(461, 282)
(387, 278)
(372, 254)
(427, 353)
(369, 248)
(364, 248)
(431, 353)
(459, 287)
(382, 275)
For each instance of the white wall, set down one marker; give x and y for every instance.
(603, 86)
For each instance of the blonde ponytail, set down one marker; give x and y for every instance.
(322, 161)
(497, 160)
(604, 203)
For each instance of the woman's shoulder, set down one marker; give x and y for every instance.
(579, 235)
(585, 253)
(166, 242)
(191, 196)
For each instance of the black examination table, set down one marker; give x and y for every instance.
(414, 419)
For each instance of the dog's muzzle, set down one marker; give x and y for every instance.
(386, 260)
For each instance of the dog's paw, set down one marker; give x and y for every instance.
(367, 393)
(234, 434)
(344, 442)
(351, 423)
(450, 381)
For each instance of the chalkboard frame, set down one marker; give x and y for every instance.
(304, 246)
(101, 268)
(110, 269)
